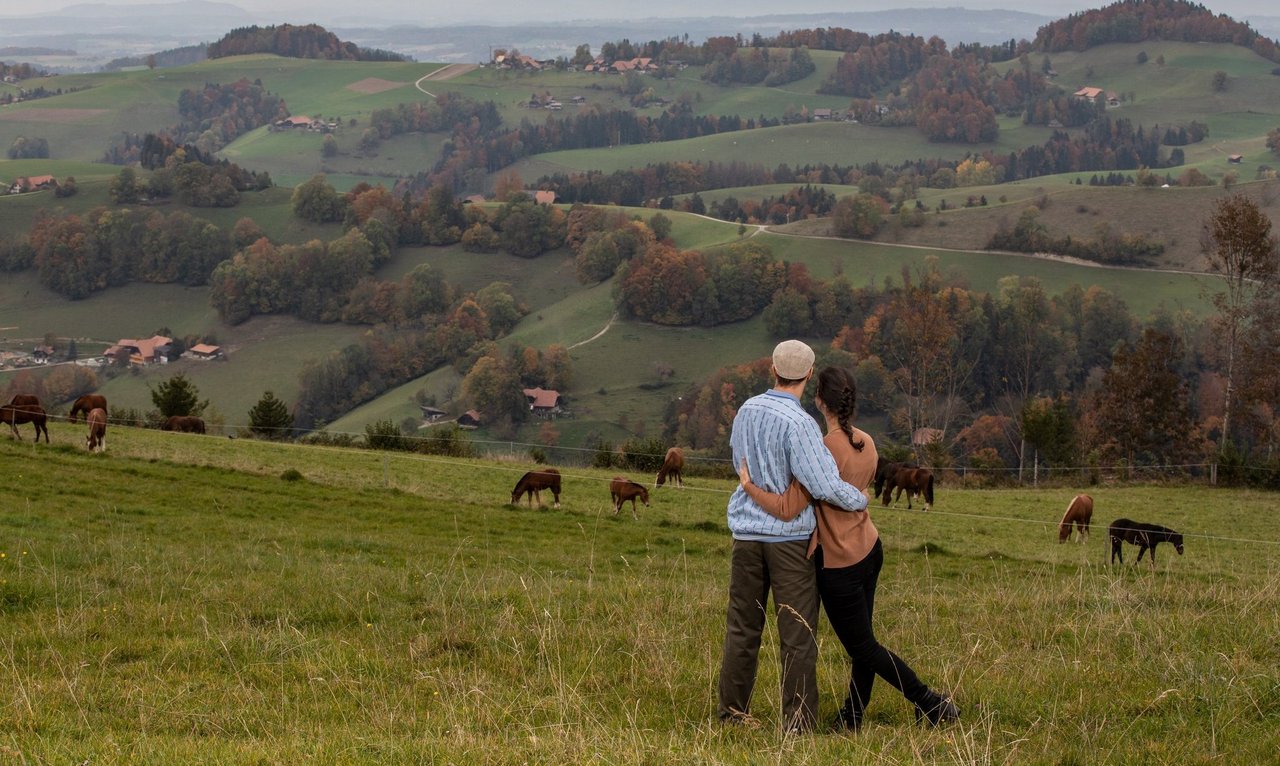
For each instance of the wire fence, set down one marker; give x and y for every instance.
(720, 494)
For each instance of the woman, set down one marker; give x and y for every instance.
(848, 556)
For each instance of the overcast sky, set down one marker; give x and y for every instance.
(507, 11)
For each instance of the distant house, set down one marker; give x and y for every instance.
(472, 199)
(544, 197)
(290, 123)
(923, 437)
(143, 351)
(1235, 159)
(42, 354)
(32, 183)
(579, 100)
(432, 414)
(1089, 94)
(469, 419)
(821, 114)
(1055, 123)
(1113, 98)
(205, 351)
(543, 402)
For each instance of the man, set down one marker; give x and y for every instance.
(779, 440)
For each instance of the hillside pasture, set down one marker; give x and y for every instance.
(294, 156)
(147, 100)
(1172, 216)
(176, 601)
(834, 143)
(868, 264)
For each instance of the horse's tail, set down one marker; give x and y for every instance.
(928, 490)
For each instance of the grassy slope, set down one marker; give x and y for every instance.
(393, 609)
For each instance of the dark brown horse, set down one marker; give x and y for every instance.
(189, 424)
(672, 466)
(87, 404)
(1079, 512)
(24, 400)
(1142, 535)
(97, 438)
(622, 490)
(884, 469)
(532, 484)
(27, 413)
(916, 482)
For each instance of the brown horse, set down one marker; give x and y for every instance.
(884, 469)
(1142, 535)
(24, 400)
(672, 466)
(532, 484)
(97, 438)
(1079, 512)
(916, 482)
(87, 404)
(622, 490)
(189, 424)
(27, 413)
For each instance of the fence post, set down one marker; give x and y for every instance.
(1035, 475)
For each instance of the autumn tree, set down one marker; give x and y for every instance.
(1273, 141)
(1144, 409)
(1238, 243)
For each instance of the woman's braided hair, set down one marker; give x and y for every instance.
(839, 392)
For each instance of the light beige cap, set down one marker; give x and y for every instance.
(792, 359)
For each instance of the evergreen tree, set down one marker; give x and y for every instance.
(270, 418)
(178, 396)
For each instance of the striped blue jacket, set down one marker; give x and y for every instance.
(780, 440)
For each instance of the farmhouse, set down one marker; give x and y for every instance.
(42, 354)
(32, 183)
(1089, 94)
(1235, 159)
(821, 114)
(923, 437)
(469, 419)
(432, 414)
(205, 351)
(1113, 98)
(296, 122)
(142, 352)
(543, 197)
(543, 402)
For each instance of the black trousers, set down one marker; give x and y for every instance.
(756, 569)
(848, 596)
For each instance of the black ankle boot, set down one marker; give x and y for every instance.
(937, 709)
(847, 719)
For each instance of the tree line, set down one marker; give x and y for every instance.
(309, 41)
(1131, 21)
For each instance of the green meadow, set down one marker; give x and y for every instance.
(177, 600)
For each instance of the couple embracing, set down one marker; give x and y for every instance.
(801, 529)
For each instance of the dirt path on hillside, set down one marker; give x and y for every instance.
(604, 330)
(446, 72)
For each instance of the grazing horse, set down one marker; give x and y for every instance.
(1142, 535)
(1079, 512)
(189, 424)
(914, 481)
(27, 413)
(622, 490)
(884, 469)
(87, 404)
(672, 465)
(97, 438)
(532, 484)
(24, 400)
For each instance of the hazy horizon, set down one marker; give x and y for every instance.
(505, 12)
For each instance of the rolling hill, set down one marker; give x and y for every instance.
(616, 392)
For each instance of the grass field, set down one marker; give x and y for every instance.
(394, 609)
